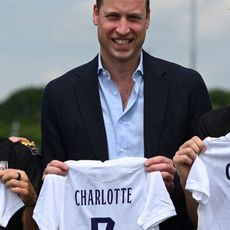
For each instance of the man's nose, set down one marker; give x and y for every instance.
(123, 26)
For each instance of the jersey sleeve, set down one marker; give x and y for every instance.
(158, 206)
(48, 210)
(10, 203)
(198, 182)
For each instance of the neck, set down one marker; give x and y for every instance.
(120, 70)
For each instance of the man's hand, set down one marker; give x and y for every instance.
(185, 157)
(18, 182)
(165, 166)
(17, 139)
(56, 167)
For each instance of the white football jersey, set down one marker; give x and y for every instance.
(9, 204)
(113, 195)
(209, 182)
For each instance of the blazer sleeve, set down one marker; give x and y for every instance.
(51, 145)
(200, 103)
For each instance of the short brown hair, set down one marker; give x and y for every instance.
(100, 2)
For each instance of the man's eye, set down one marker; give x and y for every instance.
(112, 17)
(134, 18)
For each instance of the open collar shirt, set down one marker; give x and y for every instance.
(124, 128)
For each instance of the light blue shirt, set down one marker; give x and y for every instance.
(124, 129)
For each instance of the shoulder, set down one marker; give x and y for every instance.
(64, 87)
(28, 146)
(215, 123)
(181, 80)
(169, 69)
(18, 154)
(217, 114)
(74, 74)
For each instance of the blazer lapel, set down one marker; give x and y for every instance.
(89, 102)
(155, 99)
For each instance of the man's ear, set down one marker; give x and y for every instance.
(94, 22)
(147, 25)
(148, 20)
(95, 15)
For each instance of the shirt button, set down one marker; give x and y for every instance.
(121, 150)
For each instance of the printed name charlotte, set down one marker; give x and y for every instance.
(103, 197)
(227, 171)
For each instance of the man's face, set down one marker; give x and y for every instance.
(122, 26)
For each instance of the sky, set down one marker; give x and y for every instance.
(41, 40)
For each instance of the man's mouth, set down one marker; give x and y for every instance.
(122, 41)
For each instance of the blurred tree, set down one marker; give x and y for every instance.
(220, 98)
(20, 114)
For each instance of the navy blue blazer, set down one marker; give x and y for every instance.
(73, 126)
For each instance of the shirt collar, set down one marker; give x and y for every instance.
(139, 67)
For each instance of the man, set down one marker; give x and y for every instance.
(22, 177)
(215, 123)
(123, 103)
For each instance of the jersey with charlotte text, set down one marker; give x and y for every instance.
(209, 182)
(111, 195)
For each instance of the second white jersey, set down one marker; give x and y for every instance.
(114, 195)
(209, 182)
(9, 204)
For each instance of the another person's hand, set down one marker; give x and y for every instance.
(165, 166)
(185, 157)
(17, 139)
(56, 167)
(18, 182)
